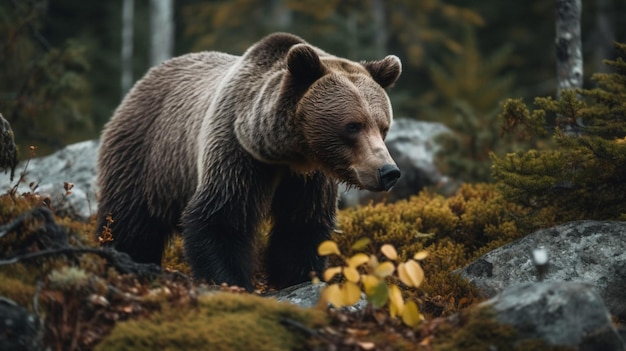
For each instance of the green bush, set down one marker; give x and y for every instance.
(584, 175)
(454, 231)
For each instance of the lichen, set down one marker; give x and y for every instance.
(68, 278)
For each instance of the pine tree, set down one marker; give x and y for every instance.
(584, 175)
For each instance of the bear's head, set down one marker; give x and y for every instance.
(344, 114)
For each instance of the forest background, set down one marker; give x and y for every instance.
(63, 70)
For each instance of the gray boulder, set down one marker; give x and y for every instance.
(564, 314)
(307, 295)
(413, 146)
(592, 252)
(76, 164)
(19, 329)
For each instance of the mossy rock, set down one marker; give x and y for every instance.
(222, 321)
(477, 329)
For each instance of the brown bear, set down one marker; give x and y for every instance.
(210, 144)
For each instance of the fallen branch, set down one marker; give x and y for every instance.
(120, 260)
(56, 243)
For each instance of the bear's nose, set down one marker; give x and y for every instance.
(388, 175)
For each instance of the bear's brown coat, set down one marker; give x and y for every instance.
(223, 141)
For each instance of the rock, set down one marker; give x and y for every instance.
(304, 295)
(565, 314)
(19, 330)
(8, 150)
(307, 295)
(592, 252)
(412, 145)
(76, 164)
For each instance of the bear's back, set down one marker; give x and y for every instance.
(157, 125)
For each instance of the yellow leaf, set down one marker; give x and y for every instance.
(411, 315)
(389, 251)
(358, 260)
(351, 293)
(420, 255)
(351, 274)
(411, 273)
(331, 272)
(384, 269)
(332, 294)
(403, 275)
(361, 244)
(370, 283)
(366, 345)
(396, 303)
(373, 262)
(327, 248)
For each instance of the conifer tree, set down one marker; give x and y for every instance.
(583, 176)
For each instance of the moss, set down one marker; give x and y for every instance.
(221, 321)
(174, 256)
(16, 289)
(12, 206)
(476, 329)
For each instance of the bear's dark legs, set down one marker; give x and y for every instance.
(220, 222)
(137, 233)
(219, 250)
(303, 213)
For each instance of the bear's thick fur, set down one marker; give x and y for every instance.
(210, 144)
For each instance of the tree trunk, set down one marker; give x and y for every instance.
(569, 60)
(280, 15)
(162, 30)
(380, 39)
(602, 36)
(127, 45)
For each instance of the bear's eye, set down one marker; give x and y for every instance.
(354, 127)
(384, 132)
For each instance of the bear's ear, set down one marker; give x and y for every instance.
(304, 63)
(386, 71)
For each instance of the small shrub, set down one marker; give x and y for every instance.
(378, 280)
(454, 231)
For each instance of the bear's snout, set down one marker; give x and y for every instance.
(388, 176)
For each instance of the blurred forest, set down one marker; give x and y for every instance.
(61, 60)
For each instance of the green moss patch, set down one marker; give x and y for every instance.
(223, 321)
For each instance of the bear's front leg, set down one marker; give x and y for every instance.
(303, 212)
(219, 231)
(217, 249)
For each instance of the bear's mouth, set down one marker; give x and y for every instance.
(376, 180)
